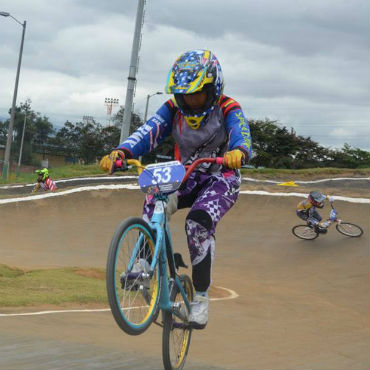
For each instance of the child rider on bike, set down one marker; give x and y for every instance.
(306, 210)
(44, 181)
(204, 123)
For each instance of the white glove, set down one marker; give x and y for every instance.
(331, 199)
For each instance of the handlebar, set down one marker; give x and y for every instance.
(121, 165)
(136, 163)
(189, 169)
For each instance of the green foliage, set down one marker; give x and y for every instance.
(350, 157)
(3, 132)
(37, 131)
(274, 145)
(81, 140)
(277, 147)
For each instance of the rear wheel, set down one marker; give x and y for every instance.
(133, 290)
(304, 232)
(349, 229)
(177, 332)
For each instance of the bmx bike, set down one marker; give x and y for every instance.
(142, 270)
(309, 232)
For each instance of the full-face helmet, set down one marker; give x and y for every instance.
(42, 174)
(196, 71)
(316, 199)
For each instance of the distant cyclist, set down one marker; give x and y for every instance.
(306, 210)
(44, 181)
(204, 123)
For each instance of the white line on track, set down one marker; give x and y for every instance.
(303, 195)
(232, 295)
(308, 182)
(135, 187)
(75, 179)
(135, 177)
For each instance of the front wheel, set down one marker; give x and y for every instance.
(177, 332)
(133, 290)
(304, 232)
(349, 229)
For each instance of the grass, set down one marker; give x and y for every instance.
(308, 172)
(62, 172)
(51, 286)
(77, 170)
(57, 173)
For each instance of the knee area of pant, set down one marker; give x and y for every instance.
(201, 217)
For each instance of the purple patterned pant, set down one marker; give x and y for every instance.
(213, 193)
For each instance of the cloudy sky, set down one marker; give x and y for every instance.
(303, 63)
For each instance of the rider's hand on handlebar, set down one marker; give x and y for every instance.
(108, 162)
(234, 159)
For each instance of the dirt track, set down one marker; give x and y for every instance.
(301, 305)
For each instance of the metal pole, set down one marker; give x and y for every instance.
(125, 129)
(146, 107)
(11, 123)
(21, 149)
(147, 104)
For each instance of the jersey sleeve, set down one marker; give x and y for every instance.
(150, 134)
(50, 185)
(237, 126)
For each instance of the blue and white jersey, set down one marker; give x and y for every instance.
(226, 128)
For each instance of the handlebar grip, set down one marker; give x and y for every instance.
(220, 160)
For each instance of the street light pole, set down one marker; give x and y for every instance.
(131, 84)
(21, 149)
(146, 110)
(147, 104)
(11, 123)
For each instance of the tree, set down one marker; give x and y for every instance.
(135, 123)
(349, 157)
(83, 140)
(3, 132)
(273, 146)
(37, 131)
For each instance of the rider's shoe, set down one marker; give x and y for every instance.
(322, 227)
(324, 224)
(199, 312)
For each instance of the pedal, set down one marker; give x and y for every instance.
(321, 230)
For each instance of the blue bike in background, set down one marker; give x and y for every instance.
(309, 232)
(142, 269)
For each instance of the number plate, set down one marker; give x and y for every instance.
(163, 177)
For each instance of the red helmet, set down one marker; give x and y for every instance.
(316, 199)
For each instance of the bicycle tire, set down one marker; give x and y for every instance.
(176, 333)
(349, 229)
(304, 232)
(133, 300)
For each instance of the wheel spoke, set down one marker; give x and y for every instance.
(133, 299)
(176, 332)
(349, 229)
(304, 232)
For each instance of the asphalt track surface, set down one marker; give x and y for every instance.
(301, 305)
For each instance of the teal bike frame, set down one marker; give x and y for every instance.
(163, 254)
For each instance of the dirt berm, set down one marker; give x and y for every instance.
(301, 304)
